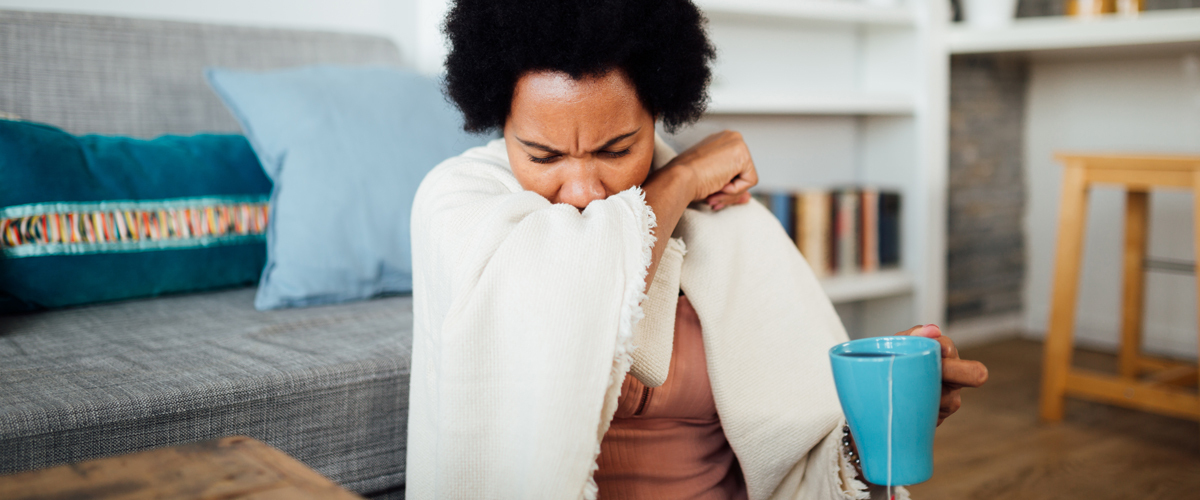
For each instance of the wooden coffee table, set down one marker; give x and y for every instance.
(234, 467)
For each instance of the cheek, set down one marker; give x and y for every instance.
(537, 179)
(631, 171)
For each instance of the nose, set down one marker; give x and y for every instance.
(581, 185)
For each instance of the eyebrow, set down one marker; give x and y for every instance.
(606, 145)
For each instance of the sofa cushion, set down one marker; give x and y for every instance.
(119, 217)
(346, 147)
(327, 385)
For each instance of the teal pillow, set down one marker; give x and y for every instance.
(96, 218)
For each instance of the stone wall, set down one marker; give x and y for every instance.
(986, 244)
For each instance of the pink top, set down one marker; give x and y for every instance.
(667, 442)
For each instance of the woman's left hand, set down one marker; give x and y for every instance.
(956, 373)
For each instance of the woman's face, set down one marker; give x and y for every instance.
(576, 141)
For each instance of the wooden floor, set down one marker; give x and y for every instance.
(995, 448)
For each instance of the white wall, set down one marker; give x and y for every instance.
(1148, 104)
(412, 24)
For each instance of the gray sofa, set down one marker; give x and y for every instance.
(327, 385)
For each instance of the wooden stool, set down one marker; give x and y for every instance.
(1164, 387)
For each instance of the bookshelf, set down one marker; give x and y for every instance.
(836, 93)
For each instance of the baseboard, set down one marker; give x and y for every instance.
(986, 329)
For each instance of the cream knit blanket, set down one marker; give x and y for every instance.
(527, 320)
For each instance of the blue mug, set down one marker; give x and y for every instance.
(861, 372)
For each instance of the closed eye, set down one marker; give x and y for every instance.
(547, 159)
(615, 154)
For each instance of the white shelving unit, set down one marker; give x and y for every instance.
(1164, 29)
(846, 92)
(835, 11)
(859, 287)
(841, 92)
(811, 104)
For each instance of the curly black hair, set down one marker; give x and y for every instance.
(660, 44)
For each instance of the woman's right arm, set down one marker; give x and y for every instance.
(717, 170)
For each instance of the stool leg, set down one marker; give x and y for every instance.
(1056, 361)
(1196, 230)
(1136, 220)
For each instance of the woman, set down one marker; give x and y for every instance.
(595, 315)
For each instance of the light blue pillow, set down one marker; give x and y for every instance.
(346, 148)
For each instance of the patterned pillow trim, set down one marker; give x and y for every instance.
(65, 228)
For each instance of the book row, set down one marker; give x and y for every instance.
(843, 231)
